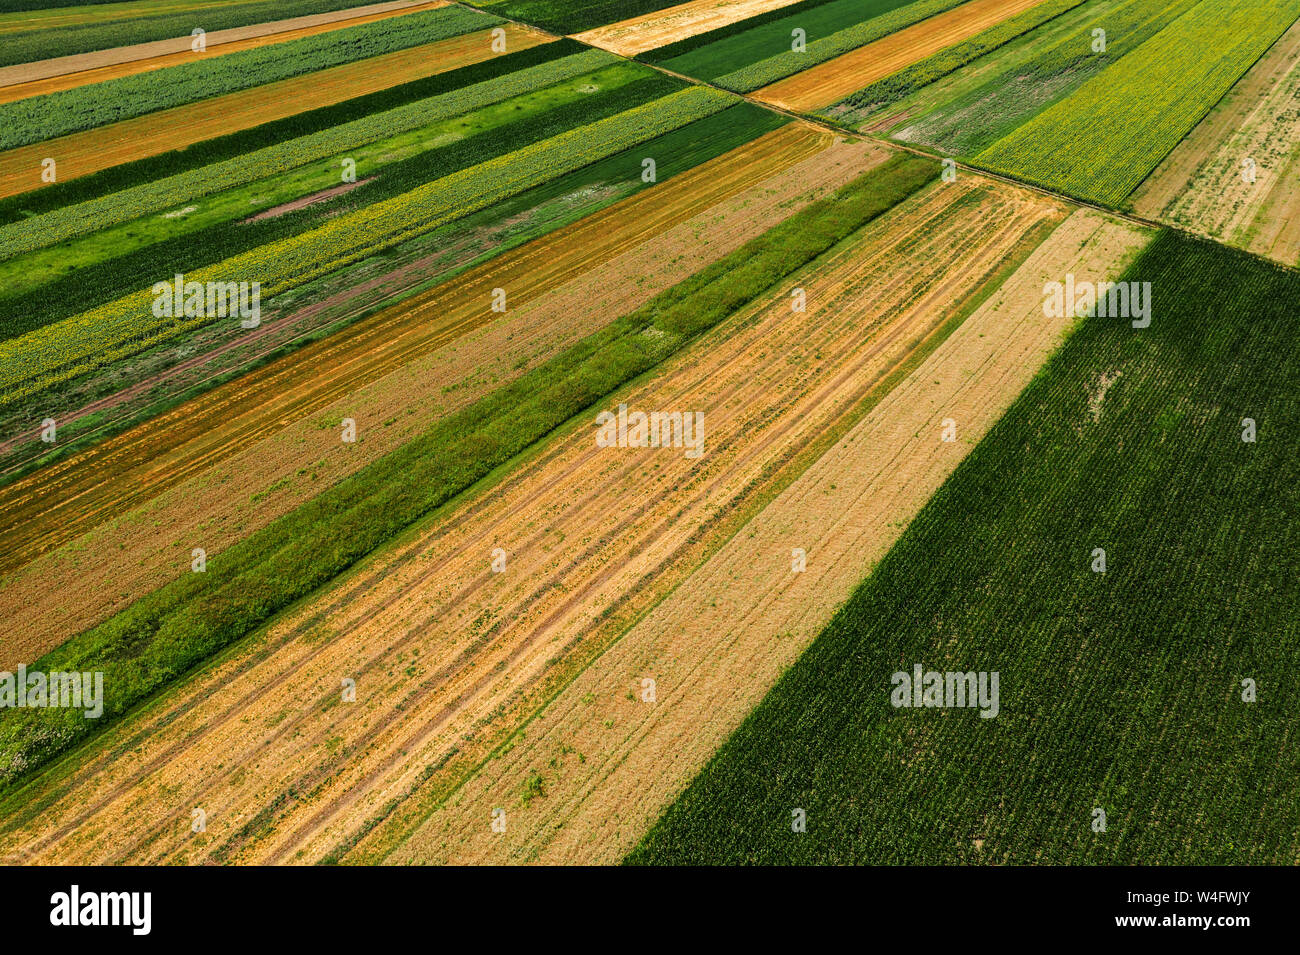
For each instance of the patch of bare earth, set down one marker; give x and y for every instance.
(448, 655)
(1201, 185)
(653, 30)
(245, 454)
(606, 762)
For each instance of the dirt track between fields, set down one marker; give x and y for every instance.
(232, 460)
(449, 656)
(67, 72)
(1200, 184)
(653, 30)
(828, 82)
(80, 154)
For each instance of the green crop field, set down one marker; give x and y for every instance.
(893, 88)
(1100, 142)
(1119, 690)
(987, 99)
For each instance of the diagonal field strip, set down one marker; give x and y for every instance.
(80, 154)
(835, 79)
(66, 72)
(653, 30)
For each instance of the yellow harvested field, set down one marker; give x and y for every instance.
(835, 79)
(653, 30)
(67, 72)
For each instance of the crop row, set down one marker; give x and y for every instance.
(95, 214)
(86, 341)
(906, 81)
(56, 114)
(163, 635)
(1100, 142)
(116, 261)
(92, 33)
(820, 50)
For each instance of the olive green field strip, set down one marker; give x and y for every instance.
(59, 352)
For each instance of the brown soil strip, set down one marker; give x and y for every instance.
(449, 656)
(80, 154)
(67, 72)
(719, 642)
(1200, 185)
(835, 79)
(232, 460)
(653, 30)
(276, 211)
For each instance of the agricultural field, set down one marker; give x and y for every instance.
(550, 432)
